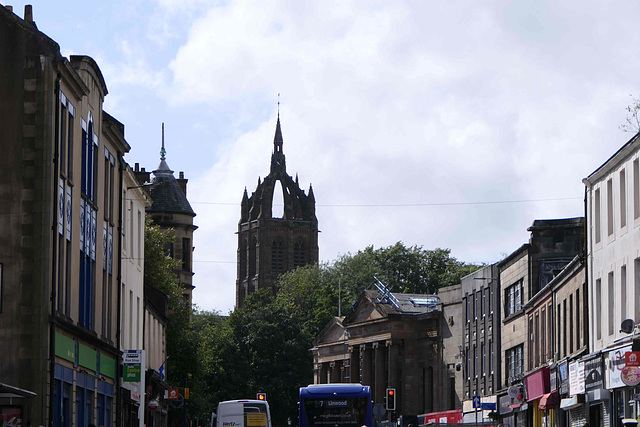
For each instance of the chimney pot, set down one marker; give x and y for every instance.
(137, 166)
(181, 175)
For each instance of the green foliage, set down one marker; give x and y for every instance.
(403, 269)
(160, 272)
(265, 345)
(632, 121)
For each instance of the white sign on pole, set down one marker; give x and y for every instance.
(132, 357)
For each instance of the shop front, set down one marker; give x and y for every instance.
(622, 380)
(596, 395)
(573, 405)
(13, 410)
(540, 397)
(512, 408)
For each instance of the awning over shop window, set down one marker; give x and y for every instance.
(549, 401)
(572, 402)
(7, 391)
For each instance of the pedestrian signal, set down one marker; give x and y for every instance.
(261, 396)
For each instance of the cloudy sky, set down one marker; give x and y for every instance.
(449, 124)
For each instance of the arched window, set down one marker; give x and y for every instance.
(277, 202)
(277, 257)
(252, 256)
(299, 255)
(243, 259)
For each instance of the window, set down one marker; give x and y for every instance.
(531, 344)
(490, 357)
(299, 255)
(577, 321)
(598, 219)
(565, 332)
(623, 292)
(513, 298)
(277, 257)
(84, 400)
(623, 199)
(66, 118)
(636, 287)
(611, 299)
(598, 308)
(483, 367)
(186, 254)
(636, 189)
(468, 308)
(109, 184)
(610, 207)
(537, 339)
(570, 326)
(88, 229)
(514, 363)
(543, 335)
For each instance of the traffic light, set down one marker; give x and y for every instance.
(261, 396)
(391, 399)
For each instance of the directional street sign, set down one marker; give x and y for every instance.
(476, 402)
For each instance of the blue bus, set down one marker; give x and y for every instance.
(335, 405)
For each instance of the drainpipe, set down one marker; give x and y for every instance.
(54, 252)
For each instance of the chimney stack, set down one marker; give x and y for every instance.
(28, 13)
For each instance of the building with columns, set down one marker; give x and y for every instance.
(395, 340)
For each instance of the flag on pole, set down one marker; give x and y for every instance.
(161, 370)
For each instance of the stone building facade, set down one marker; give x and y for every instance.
(60, 185)
(170, 209)
(522, 275)
(399, 341)
(270, 244)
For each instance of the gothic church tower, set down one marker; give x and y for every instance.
(269, 246)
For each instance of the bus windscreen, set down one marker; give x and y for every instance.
(336, 412)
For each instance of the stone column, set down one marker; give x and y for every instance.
(367, 364)
(335, 372)
(354, 370)
(380, 377)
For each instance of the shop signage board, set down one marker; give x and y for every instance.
(632, 358)
(630, 375)
(563, 378)
(576, 378)
(131, 373)
(614, 366)
(593, 374)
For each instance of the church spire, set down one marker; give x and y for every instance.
(277, 158)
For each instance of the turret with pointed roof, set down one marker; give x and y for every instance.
(269, 246)
(171, 209)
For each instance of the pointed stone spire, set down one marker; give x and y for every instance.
(312, 198)
(277, 158)
(163, 167)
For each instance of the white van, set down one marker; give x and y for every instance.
(243, 413)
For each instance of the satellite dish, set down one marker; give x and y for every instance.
(513, 391)
(627, 326)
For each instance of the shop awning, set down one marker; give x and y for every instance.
(549, 400)
(572, 402)
(8, 391)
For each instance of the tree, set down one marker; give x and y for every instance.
(632, 121)
(160, 272)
